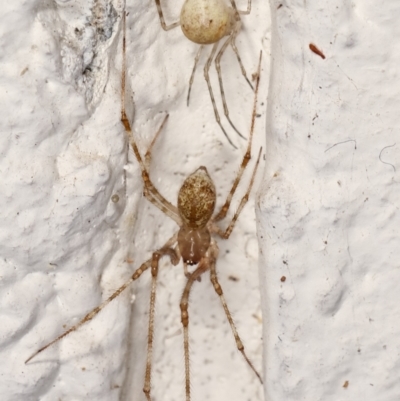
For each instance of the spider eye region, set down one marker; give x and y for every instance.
(193, 244)
(196, 199)
(206, 21)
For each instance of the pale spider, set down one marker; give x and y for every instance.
(193, 242)
(206, 22)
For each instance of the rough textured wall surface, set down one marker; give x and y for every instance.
(328, 207)
(73, 221)
(62, 158)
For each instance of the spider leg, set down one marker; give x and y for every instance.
(235, 32)
(221, 86)
(147, 156)
(202, 267)
(162, 21)
(165, 250)
(233, 44)
(196, 60)
(218, 290)
(96, 310)
(150, 191)
(207, 78)
(233, 4)
(247, 156)
(244, 200)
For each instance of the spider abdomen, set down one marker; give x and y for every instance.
(196, 199)
(205, 22)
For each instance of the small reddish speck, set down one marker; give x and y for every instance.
(315, 50)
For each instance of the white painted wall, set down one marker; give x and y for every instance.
(65, 245)
(328, 208)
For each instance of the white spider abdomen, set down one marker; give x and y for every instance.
(206, 21)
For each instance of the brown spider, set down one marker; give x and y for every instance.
(206, 22)
(193, 243)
